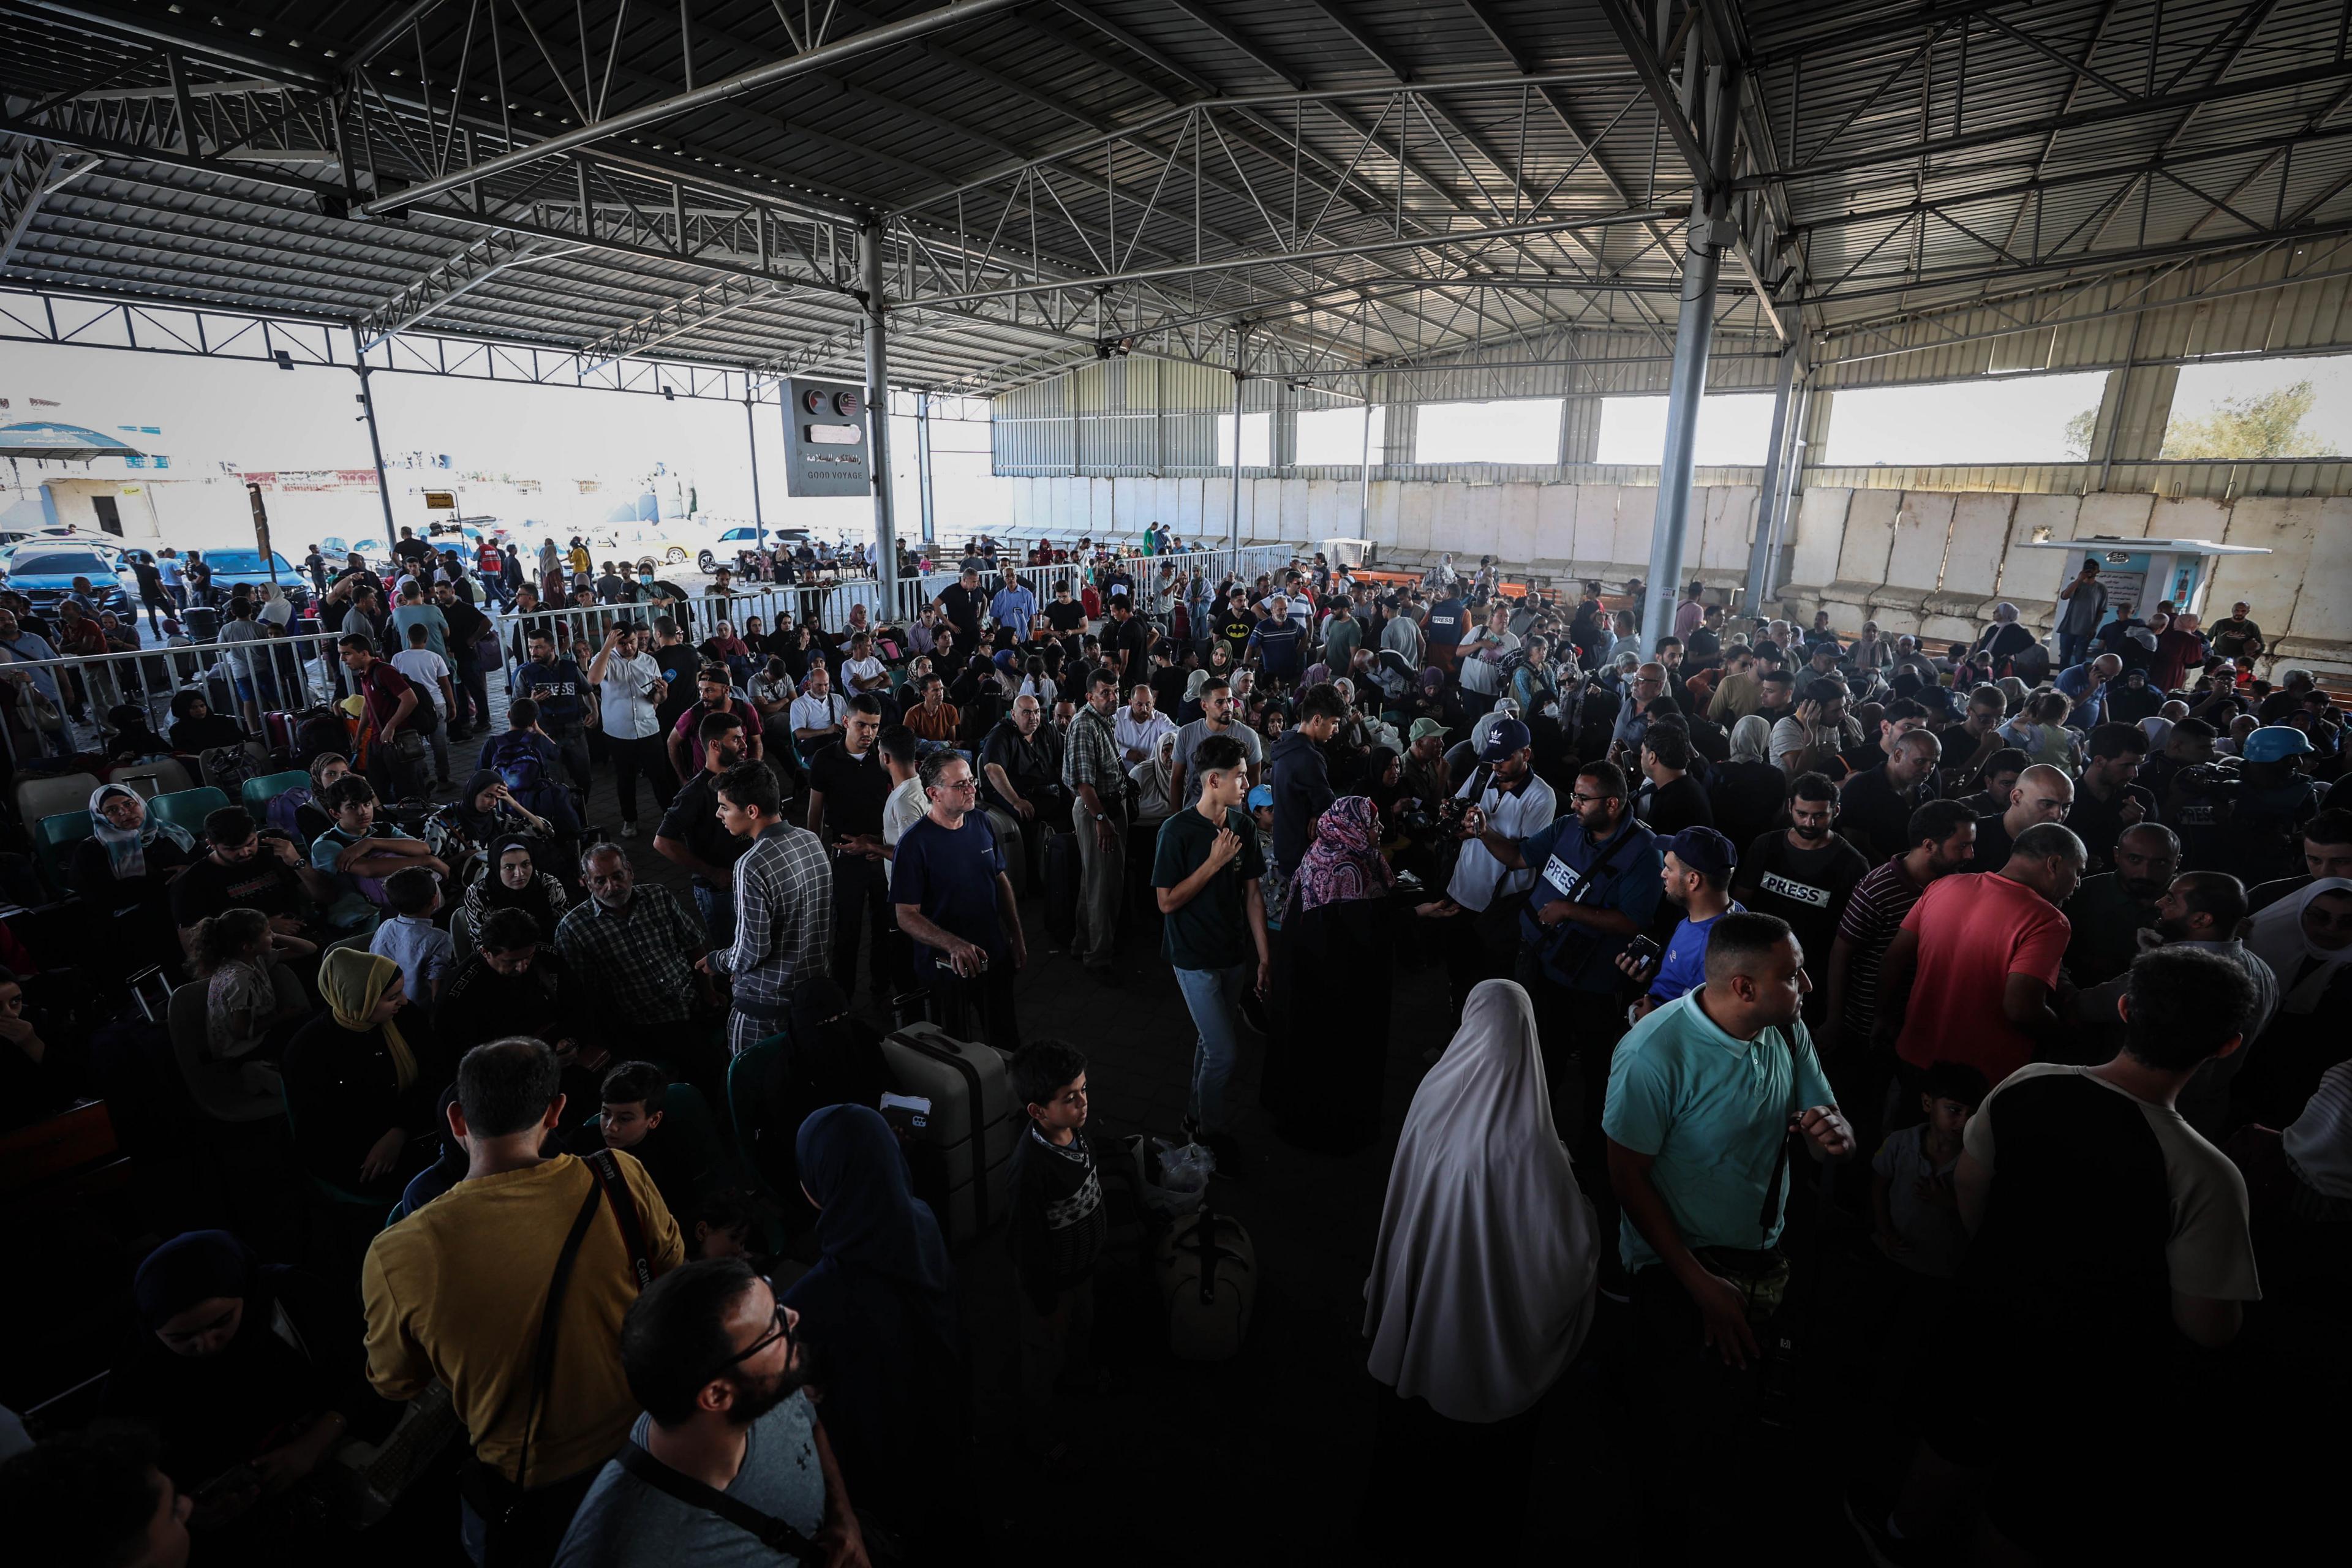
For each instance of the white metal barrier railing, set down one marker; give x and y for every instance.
(303, 669)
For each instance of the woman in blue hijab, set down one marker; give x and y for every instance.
(879, 1308)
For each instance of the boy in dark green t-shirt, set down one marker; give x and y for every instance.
(1205, 874)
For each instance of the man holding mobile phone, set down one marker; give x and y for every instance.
(953, 898)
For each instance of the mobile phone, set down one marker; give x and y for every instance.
(1642, 949)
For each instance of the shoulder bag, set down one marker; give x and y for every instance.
(776, 1534)
(505, 1505)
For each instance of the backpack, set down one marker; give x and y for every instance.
(227, 767)
(427, 717)
(520, 766)
(282, 810)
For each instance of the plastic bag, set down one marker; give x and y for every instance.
(1181, 1178)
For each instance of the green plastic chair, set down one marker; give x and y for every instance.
(53, 840)
(749, 1080)
(255, 795)
(188, 807)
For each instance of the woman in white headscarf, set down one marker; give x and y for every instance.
(1481, 1287)
(2005, 638)
(2306, 939)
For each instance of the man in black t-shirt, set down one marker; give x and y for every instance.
(679, 666)
(1127, 643)
(412, 549)
(468, 627)
(1067, 616)
(246, 872)
(848, 786)
(1804, 875)
(691, 835)
(1670, 800)
(1234, 623)
(1877, 803)
(963, 601)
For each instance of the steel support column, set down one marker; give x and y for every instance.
(375, 439)
(1234, 524)
(877, 405)
(751, 440)
(1709, 236)
(1364, 491)
(1771, 501)
(923, 465)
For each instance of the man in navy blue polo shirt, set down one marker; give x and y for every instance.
(1597, 885)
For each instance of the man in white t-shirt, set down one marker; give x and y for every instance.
(2109, 1246)
(1138, 726)
(818, 714)
(863, 672)
(1517, 803)
(906, 802)
(431, 671)
(629, 689)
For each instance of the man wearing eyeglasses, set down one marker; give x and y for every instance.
(953, 898)
(718, 1363)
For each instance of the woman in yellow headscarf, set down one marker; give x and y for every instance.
(358, 1088)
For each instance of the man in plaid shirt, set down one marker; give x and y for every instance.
(635, 946)
(1090, 768)
(783, 906)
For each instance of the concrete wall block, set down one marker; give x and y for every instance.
(1388, 498)
(1923, 528)
(1556, 522)
(1416, 516)
(1102, 505)
(1190, 505)
(1323, 509)
(2323, 611)
(1730, 528)
(1979, 535)
(1515, 532)
(2121, 516)
(1821, 527)
(1596, 521)
(2192, 517)
(1130, 504)
(1637, 517)
(2032, 576)
(2279, 584)
(1869, 536)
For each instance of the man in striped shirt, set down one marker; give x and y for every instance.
(1943, 836)
(1090, 767)
(783, 907)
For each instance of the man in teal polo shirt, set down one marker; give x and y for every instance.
(1703, 1095)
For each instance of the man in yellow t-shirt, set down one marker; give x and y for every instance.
(455, 1292)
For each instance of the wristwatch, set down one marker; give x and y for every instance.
(1099, 815)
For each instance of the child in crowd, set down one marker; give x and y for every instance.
(1912, 1201)
(1274, 885)
(1058, 1220)
(635, 1094)
(430, 671)
(426, 955)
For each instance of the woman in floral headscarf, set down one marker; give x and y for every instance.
(1323, 1082)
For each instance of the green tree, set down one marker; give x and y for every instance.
(2078, 432)
(2263, 425)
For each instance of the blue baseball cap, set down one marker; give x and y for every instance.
(1261, 794)
(1704, 850)
(1504, 739)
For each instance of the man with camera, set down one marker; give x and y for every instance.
(1481, 906)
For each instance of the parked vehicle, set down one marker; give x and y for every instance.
(231, 567)
(43, 573)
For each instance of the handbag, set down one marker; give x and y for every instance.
(505, 1505)
(777, 1535)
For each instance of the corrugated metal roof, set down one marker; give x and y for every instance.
(1911, 172)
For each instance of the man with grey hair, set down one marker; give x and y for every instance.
(1972, 977)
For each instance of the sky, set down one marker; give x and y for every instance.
(1734, 428)
(564, 455)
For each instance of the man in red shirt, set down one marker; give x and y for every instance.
(389, 701)
(1972, 976)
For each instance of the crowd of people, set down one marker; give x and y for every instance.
(2023, 974)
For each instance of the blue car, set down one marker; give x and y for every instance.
(231, 567)
(43, 573)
